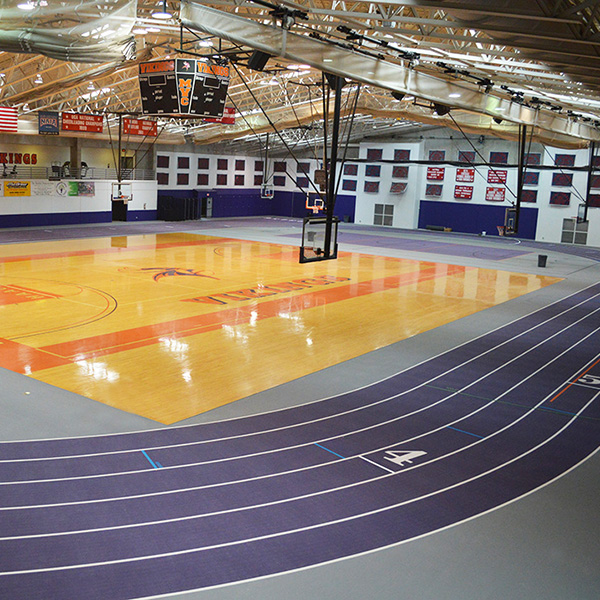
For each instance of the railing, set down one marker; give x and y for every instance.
(56, 172)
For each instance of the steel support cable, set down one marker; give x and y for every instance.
(273, 126)
(486, 163)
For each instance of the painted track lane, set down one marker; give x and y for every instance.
(529, 440)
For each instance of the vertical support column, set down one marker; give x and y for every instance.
(75, 157)
(520, 174)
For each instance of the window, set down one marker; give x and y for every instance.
(202, 179)
(280, 167)
(499, 158)
(222, 164)
(279, 180)
(258, 165)
(560, 198)
(383, 215)
(349, 185)
(374, 153)
(437, 155)
(401, 154)
(564, 160)
(466, 156)
(352, 170)
(372, 170)
(162, 162)
(162, 178)
(258, 179)
(302, 182)
(400, 172)
(303, 167)
(221, 179)
(183, 162)
(240, 165)
(562, 179)
(531, 178)
(372, 187)
(239, 180)
(203, 163)
(183, 179)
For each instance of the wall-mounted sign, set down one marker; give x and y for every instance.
(494, 194)
(466, 175)
(82, 122)
(48, 123)
(18, 158)
(463, 192)
(435, 173)
(497, 176)
(140, 127)
(17, 188)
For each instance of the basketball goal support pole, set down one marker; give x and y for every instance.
(336, 83)
(589, 180)
(520, 174)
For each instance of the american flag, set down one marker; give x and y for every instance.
(8, 119)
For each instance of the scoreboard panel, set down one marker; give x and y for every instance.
(183, 86)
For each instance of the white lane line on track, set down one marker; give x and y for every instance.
(270, 412)
(371, 427)
(340, 488)
(301, 529)
(278, 429)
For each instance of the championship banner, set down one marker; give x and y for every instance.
(17, 188)
(435, 173)
(228, 117)
(493, 194)
(81, 122)
(463, 192)
(496, 176)
(465, 175)
(48, 123)
(140, 127)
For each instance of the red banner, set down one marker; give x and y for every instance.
(81, 122)
(228, 117)
(495, 176)
(466, 175)
(463, 192)
(140, 127)
(493, 194)
(435, 173)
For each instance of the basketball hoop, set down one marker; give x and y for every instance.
(500, 230)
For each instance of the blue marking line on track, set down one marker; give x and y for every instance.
(328, 450)
(563, 412)
(467, 432)
(155, 465)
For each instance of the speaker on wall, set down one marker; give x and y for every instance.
(258, 60)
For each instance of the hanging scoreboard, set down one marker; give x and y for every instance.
(183, 86)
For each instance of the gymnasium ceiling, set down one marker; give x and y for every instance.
(495, 64)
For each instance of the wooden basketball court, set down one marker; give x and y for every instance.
(167, 326)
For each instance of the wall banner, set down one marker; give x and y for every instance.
(17, 188)
(82, 188)
(48, 123)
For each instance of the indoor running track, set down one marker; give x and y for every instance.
(150, 513)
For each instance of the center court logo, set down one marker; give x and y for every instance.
(173, 272)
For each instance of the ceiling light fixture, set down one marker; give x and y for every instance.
(38, 79)
(28, 5)
(162, 13)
